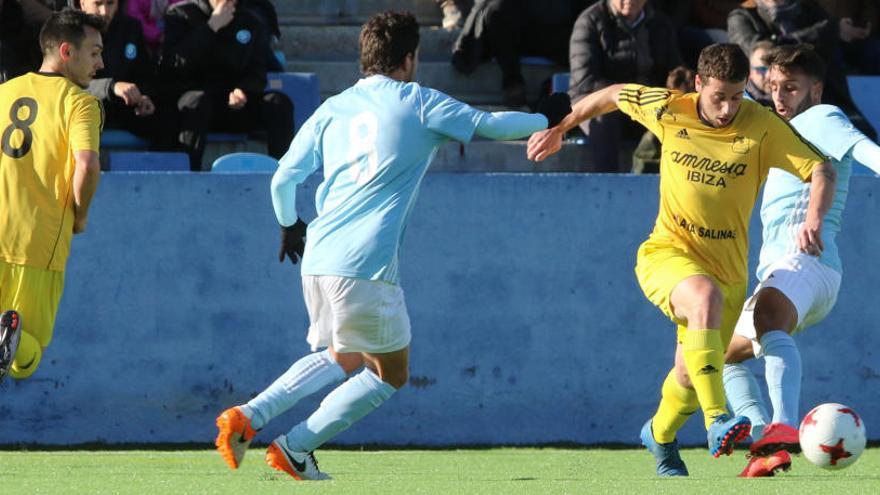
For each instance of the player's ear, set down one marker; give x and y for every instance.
(64, 50)
(816, 92)
(698, 83)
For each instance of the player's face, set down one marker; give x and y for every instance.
(105, 9)
(411, 64)
(793, 91)
(719, 100)
(81, 63)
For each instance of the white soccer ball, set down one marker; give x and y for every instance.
(832, 436)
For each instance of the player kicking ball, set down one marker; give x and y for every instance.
(375, 142)
(49, 135)
(796, 289)
(717, 150)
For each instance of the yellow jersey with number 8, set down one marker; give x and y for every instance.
(44, 119)
(710, 177)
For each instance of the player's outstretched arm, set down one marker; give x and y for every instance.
(545, 143)
(821, 196)
(86, 175)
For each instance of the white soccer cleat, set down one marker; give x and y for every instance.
(301, 465)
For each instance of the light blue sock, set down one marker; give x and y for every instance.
(782, 362)
(308, 375)
(342, 407)
(744, 396)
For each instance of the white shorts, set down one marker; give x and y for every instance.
(811, 286)
(355, 315)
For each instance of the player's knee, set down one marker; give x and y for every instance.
(397, 378)
(708, 305)
(773, 311)
(27, 357)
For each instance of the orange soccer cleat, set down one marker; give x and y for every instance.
(234, 436)
(764, 466)
(777, 436)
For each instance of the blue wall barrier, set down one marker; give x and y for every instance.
(528, 324)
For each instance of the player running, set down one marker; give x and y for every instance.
(375, 141)
(717, 150)
(795, 289)
(49, 171)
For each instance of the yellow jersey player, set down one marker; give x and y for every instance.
(49, 170)
(717, 150)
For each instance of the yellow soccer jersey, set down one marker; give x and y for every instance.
(710, 177)
(44, 119)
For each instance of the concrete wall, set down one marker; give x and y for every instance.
(528, 323)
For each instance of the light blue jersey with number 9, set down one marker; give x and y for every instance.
(375, 141)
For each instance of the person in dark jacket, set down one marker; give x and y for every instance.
(213, 65)
(798, 21)
(126, 85)
(20, 22)
(618, 41)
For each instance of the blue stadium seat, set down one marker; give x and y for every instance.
(244, 162)
(560, 81)
(148, 161)
(534, 60)
(116, 138)
(303, 90)
(865, 91)
(225, 137)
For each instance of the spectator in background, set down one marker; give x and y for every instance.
(798, 21)
(618, 41)
(126, 85)
(510, 29)
(454, 12)
(857, 24)
(758, 86)
(20, 23)
(646, 157)
(150, 14)
(213, 65)
(699, 23)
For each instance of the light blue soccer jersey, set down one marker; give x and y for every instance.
(375, 141)
(785, 201)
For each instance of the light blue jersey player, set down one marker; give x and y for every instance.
(374, 142)
(795, 289)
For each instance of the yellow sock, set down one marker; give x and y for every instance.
(676, 405)
(27, 357)
(704, 359)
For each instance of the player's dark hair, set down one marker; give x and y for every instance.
(69, 26)
(723, 61)
(386, 39)
(681, 78)
(795, 58)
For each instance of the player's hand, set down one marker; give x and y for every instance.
(555, 107)
(129, 92)
(237, 99)
(145, 108)
(544, 143)
(810, 237)
(293, 242)
(222, 15)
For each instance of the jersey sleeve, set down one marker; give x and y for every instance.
(785, 148)
(829, 130)
(303, 158)
(447, 116)
(645, 105)
(86, 121)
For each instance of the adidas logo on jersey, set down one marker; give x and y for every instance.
(683, 134)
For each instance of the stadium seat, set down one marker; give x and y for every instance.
(148, 161)
(560, 82)
(226, 137)
(303, 90)
(244, 162)
(865, 91)
(117, 138)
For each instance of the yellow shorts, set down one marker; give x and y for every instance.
(34, 293)
(660, 270)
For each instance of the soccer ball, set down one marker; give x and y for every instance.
(832, 436)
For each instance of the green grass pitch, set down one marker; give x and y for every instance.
(443, 472)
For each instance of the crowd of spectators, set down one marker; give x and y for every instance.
(615, 41)
(178, 69)
(174, 70)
